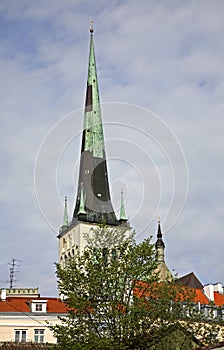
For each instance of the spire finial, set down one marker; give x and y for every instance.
(159, 233)
(91, 26)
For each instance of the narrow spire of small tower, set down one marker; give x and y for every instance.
(65, 218)
(160, 246)
(93, 176)
(162, 270)
(123, 216)
(82, 202)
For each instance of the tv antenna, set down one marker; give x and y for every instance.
(12, 272)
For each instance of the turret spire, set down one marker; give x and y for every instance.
(65, 218)
(93, 182)
(123, 216)
(82, 202)
(160, 246)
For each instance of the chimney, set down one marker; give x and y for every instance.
(3, 294)
(209, 291)
(218, 287)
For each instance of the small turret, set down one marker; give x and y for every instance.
(65, 217)
(162, 270)
(123, 217)
(82, 202)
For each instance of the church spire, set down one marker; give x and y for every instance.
(93, 182)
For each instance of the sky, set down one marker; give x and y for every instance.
(161, 80)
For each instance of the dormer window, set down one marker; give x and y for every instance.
(39, 306)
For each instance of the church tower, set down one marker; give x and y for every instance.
(93, 202)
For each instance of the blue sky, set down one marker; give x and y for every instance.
(162, 56)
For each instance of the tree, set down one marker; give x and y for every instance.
(115, 300)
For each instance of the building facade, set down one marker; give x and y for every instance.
(26, 317)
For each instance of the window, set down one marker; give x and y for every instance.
(39, 307)
(20, 335)
(38, 335)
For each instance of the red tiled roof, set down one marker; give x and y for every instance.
(180, 292)
(13, 304)
(55, 305)
(200, 297)
(218, 299)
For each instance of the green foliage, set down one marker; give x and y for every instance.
(116, 301)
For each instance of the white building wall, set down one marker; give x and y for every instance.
(9, 323)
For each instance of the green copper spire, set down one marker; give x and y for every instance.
(94, 140)
(65, 219)
(93, 203)
(123, 216)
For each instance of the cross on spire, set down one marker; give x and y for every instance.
(91, 26)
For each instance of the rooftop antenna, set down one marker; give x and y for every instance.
(12, 272)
